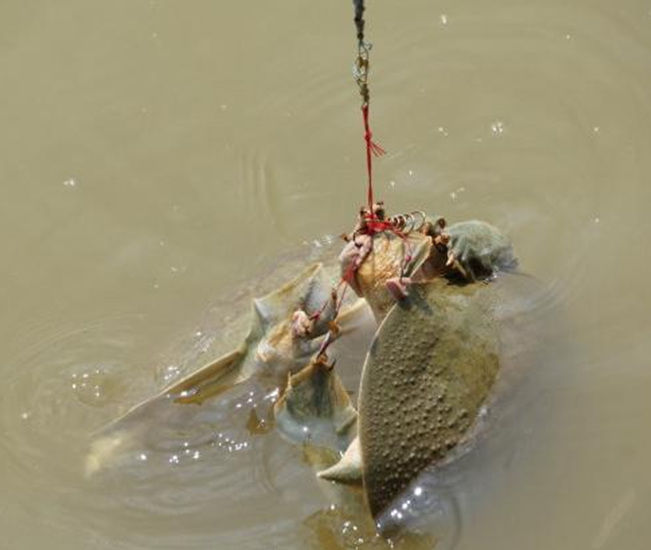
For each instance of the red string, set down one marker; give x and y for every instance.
(372, 149)
(373, 225)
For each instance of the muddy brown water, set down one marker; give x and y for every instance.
(164, 161)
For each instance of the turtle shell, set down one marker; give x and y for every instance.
(431, 367)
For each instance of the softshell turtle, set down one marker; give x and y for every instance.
(432, 365)
(433, 362)
(435, 358)
(288, 326)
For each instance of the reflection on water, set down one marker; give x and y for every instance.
(164, 163)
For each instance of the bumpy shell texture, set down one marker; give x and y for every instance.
(431, 366)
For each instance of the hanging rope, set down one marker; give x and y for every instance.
(372, 219)
(360, 73)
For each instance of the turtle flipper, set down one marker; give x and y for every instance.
(212, 379)
(208, 381)
(315, 408)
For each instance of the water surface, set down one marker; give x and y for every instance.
(162, 162)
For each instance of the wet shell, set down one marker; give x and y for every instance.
(431, 366)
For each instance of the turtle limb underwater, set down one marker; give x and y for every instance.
(288, 326)
(315, 408)
(315, 412)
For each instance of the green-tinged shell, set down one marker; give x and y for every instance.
(430, 368)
